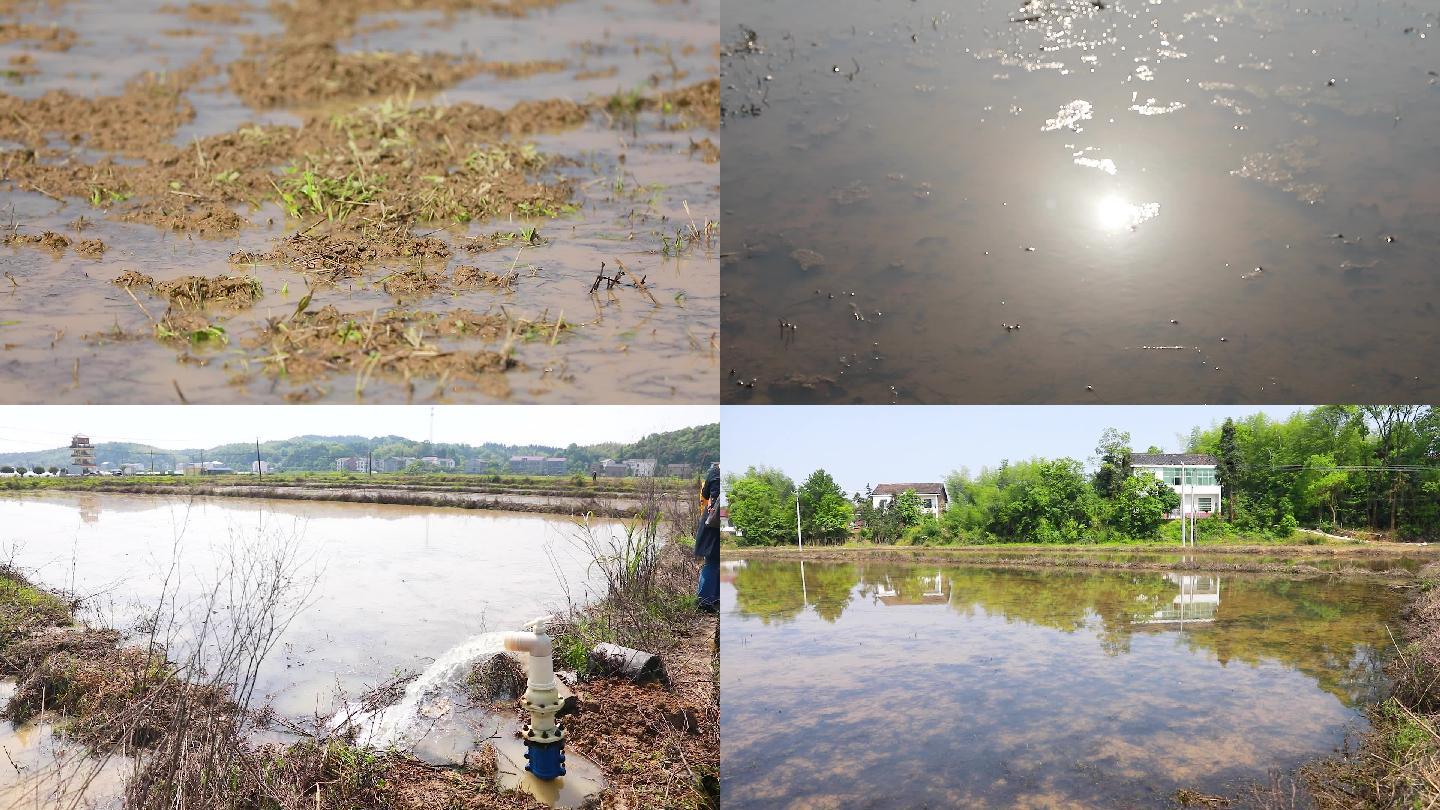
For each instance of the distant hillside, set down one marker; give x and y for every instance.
(696, 445)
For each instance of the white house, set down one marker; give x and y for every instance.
(933, 497)
(641, 467)
(1192, 475)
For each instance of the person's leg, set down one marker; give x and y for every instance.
(710, 584)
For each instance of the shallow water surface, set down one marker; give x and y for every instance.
(395, 586)
(889, 685)
(1077, 201)
(67, 334)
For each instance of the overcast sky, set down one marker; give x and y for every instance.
(27, 428)
(861, 445)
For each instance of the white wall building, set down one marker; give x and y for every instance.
(1192, 475)
(934, 499)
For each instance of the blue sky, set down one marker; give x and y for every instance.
(861, 445)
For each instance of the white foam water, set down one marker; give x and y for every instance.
(425, 701)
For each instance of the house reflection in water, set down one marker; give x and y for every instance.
(915, 590)
(1198, 601)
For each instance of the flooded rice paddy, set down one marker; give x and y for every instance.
(1080, 201)
(395, 586)
(897, 685)
(377, 201)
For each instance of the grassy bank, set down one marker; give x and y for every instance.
(1286, 558)
(658, 743)
(1397, 764)
(616, 500)
(568, 486)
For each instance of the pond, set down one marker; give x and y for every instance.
(395, 587)
(896, 685)
(1079, 201)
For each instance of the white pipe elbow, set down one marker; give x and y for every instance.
(536, 644)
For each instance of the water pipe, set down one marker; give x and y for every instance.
(544, 737)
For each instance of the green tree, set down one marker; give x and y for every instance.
(762, 506)
(825, 513)
(1051, 502)
(1141, 506)
(1113, 463)
(1325, 484)
(1227, 464)
(907, 508)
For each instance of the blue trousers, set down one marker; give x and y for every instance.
(709, 591)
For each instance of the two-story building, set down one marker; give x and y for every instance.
(1192, 475)
(933, 497)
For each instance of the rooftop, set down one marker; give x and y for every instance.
(1169, 459)
(896, 489)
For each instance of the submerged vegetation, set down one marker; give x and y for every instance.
(380, 182)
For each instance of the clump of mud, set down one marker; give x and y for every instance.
(469, 277)
(45, 37)
(308, 347)
(338, 254)
(56, 243)
(221, 13)
(314, 72)
(144, 116)
(232, 292)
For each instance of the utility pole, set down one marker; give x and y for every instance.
(799, 535)
(259, 465)
(370, 464)
(1184, 524)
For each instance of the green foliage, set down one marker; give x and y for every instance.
(825, 512)
(1113, 468)
(889, 522)
(1141, 506)
(23, 607)
(762, 506)
(303, 192)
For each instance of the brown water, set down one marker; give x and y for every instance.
(626, 349)
(1116, 178)
(882, 685)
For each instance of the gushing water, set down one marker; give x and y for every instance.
(426, 703)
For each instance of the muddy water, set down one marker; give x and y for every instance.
(876, 685)
(395, 586)
(1251, 183)
(42, 768)
(60, 318)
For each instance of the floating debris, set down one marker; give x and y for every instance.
(807, 259)
(851, 194)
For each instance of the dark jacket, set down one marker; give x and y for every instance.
(707, 536)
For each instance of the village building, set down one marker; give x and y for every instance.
(1191, 475)
(934, 499)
